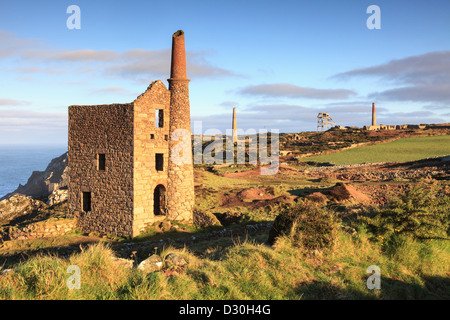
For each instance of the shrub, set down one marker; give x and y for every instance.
(231, 216)
(307, 224)
(421, 214)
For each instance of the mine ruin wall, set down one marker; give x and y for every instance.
(150, 138)
(108, 130)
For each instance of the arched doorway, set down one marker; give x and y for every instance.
(159, 200)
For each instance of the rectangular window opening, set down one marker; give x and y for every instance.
(101, 161)
(159, 118)
(86, 202)
(152, 136)
(159, 162)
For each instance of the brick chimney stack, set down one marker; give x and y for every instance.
(374, 116)
(178, 65)
(180, 183)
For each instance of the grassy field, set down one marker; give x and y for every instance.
(413, 263)
(402, 150)
(247, 270)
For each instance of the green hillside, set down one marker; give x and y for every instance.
(402, 150)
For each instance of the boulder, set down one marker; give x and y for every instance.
(205, 219)
(151, 264)
(174, 260)
(165, 226)
(126, 263)
(18, 205)
(351, 231)
(58, 196)
(6, 271)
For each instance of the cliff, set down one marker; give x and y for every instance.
(24, 213)
(41, 184)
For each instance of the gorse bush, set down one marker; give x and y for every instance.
(421, 214)
(308, 225)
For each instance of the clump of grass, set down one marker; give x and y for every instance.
(266, 213)
(308, 224)
(41, 277)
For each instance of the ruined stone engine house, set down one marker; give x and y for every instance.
(121, 173)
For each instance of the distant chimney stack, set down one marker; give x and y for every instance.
(374, 116)
(234, 126)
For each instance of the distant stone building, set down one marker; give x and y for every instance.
(122, 175)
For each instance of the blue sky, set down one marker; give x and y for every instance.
(278, 62)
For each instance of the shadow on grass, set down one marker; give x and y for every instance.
(321, 290)
(304, 191)
(27, 249)
(25, 218)
(196, 240)
(434, 288)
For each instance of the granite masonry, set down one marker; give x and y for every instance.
(121, 173)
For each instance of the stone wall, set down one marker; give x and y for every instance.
(105, 129)
(42, 229)
(150, 138)
(396, 127)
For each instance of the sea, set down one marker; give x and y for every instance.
(17, 163)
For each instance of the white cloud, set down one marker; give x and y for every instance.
(84, 55)
(30, 127)
(292, 91)
(134, 63)
(232, 104)
(111, 90)
(424, 78)
(12, 46)
(432, 67)
(13, 102)
(35, 69)
(419, 92)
